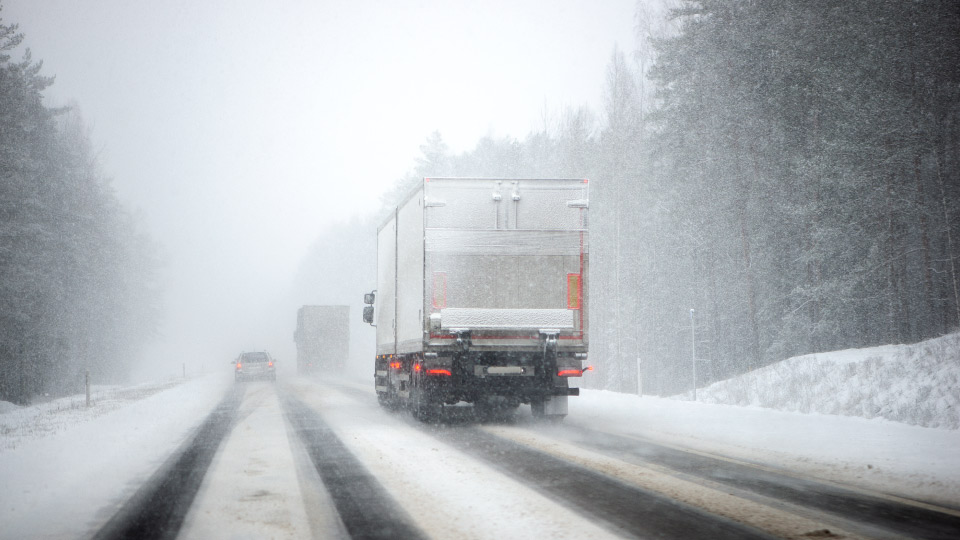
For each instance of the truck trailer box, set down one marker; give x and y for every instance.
(482, 293)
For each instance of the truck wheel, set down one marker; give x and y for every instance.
(428, 413)
(389, 400)
(423, 407)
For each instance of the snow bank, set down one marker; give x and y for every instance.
(914, 384)
(20, 424)
(64, 467)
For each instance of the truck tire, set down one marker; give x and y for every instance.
(423, 407)
(383, 398)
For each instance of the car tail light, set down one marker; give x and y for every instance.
(269, 364)
(395, 365)
(445, 372)
(238, 365)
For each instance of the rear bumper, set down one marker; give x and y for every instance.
(470, 388)
(253, 376)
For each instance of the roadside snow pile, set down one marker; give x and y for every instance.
(914, 384)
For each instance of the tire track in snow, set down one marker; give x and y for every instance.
(628, 509)
(157, 509)
(851, 510)
(447, 493)
(775, 517)
(365, 507)
(853, 506)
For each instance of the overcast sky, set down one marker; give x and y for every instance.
(241, 129)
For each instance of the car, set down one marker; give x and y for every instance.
(255, 365)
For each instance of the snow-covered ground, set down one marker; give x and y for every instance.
(884, 418)
(416, 468)
(890, 457)
(63, 466)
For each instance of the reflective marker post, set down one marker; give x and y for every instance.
(693, 352)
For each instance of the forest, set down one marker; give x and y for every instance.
(78, 277)
(769, 179)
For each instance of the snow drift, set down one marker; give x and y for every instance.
(913, 384)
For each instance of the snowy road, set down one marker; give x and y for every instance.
(300, 458)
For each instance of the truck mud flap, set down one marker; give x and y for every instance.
(556, 406)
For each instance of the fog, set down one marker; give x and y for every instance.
(240, 131)
(744, 166)
(755, 283)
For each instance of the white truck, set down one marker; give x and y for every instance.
(482, 295)
(323, 338)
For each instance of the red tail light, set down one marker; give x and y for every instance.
(269, 364)
(418, 368)
(395, 365)
(573, 372)
(445, 372)
(238, 365)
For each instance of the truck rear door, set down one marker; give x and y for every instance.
(506, 256)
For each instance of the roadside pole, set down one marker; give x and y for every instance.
(693, 352)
